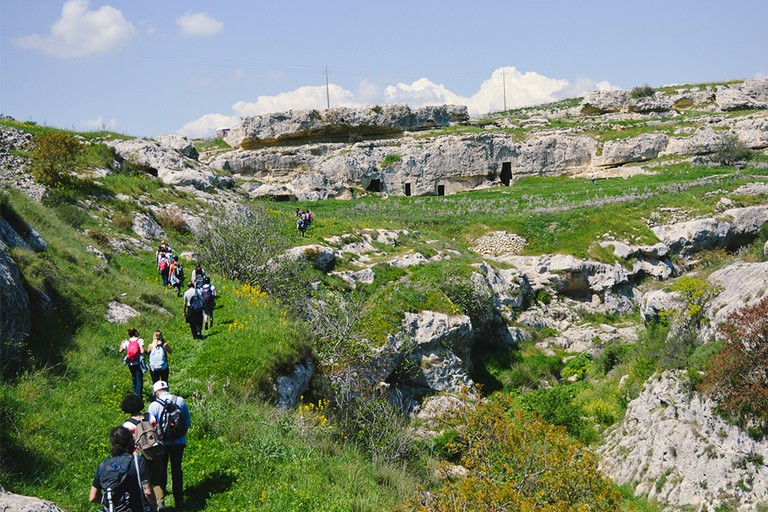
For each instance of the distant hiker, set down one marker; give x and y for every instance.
(594, 177)
(208, 293)
(176, 275)
(309, 215)
(173, 419)
(143, 427)
(163, 258)
(298, 212)
(133, 347)
(301, 226)
(198, 274)
(122, 481)
(158, 357)
(192, 307)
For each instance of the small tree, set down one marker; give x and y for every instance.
(54, 159)
(246, 244)
(737, 376)
(732, 150)
(642, 91)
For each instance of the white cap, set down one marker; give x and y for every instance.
(161, 384)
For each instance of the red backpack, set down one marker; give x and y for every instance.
(133, 350)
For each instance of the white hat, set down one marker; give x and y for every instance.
(161, 384)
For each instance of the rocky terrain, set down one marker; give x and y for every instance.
(671, 446)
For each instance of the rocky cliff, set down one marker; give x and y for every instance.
(307, 160)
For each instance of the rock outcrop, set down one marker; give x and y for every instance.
(10, 502)
(340, 124)
(673, 448)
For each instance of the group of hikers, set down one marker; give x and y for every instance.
(199, 299)
(304, 220)
(134, 477)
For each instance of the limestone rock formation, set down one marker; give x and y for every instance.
(167, 164)
(672, 447)
(750, 94)
(339, 124)
(10, 502)
(734, 228)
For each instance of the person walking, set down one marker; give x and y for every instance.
(122, 480)
(173, 420)
(133, 347)
(134, 405)
(192, 307)
(158, 357)
(208, 293)
(198, 274)
(176, 275)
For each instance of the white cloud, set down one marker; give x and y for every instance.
(207, 125)
(199, 24)
(521, 90)
(80, 32)
(99, 124)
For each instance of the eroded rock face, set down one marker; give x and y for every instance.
(734, 228)
(339, 124)
(749, 94)
(168, 164)
(672, 447)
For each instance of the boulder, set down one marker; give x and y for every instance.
(602, 102)
(289, 388)
(734, 228)
(704, 140)
(672, 447)
(168, 164)
(10, 502)
(147, 228)
(637, 149)
(747, 95)
(740, 284)
(15, 305)
(321, 257)
(179, 143)
(119, 313)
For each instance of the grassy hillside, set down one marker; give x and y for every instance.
(61, 395)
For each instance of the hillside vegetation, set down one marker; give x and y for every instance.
(524, 437)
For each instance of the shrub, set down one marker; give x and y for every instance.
(246, 244)
(172, 218)
(642, 91)
(54, 158)
(518, 462)
(391, 159)
(732, 150)
(737, 377)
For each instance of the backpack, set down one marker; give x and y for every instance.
(157, 359)
(133, 351)
(147, 439)
(206, 293)
(199, 279)
(172, 423)
(196, 302)
(163, 265)
(116, 483)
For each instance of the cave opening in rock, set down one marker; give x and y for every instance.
(374, 186)
(506, 173)
(407, 189)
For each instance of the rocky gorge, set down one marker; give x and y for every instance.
(671, 446)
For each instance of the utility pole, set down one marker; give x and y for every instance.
(327, 90)
(504, 87)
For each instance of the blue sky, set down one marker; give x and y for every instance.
(150, 67)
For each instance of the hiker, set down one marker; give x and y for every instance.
(133, 347)
(192, 307)
(298, 212)
(134, 405)
(301, 226)
(163, 259)
(171, 410)
(122, 480)
(208, 293)
(176, 275)
(198, 274)
(158, 357)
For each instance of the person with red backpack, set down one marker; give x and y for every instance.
(133, 347)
